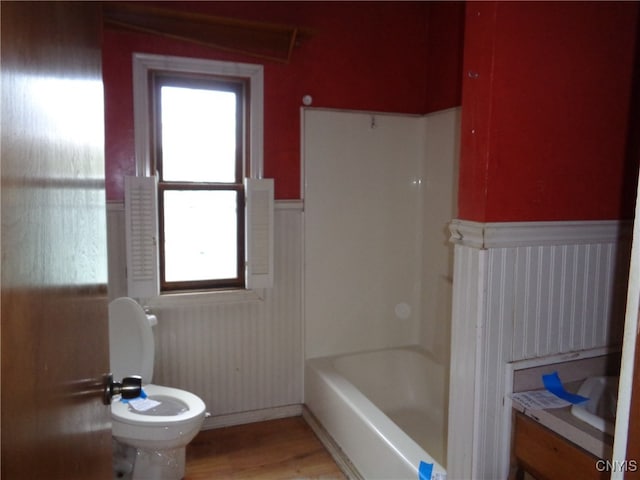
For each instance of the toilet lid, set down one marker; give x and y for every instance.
(131, 345)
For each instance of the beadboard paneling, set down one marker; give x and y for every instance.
(563, 299)
(495, 351)
(238, 356)
(524, 293)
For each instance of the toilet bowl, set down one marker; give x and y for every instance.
(158, 428)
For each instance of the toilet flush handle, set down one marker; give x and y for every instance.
(130, 387)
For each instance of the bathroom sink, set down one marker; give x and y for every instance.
(600, 410)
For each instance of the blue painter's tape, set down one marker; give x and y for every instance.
(142, 395)
(425, 471)
(554, 385)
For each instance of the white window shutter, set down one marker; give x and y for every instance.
(141, 230)
(259, 232)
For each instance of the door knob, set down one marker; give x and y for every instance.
(129, 387)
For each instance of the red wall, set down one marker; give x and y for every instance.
(546, 111)
(380, 56)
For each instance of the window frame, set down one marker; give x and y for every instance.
(160, 79)
(252, 165)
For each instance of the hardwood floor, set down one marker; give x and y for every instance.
(276, 449)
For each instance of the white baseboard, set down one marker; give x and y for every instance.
(251, 416)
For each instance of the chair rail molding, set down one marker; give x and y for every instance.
(515, 234)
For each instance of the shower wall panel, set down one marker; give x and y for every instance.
(378, 194)
(362, 230)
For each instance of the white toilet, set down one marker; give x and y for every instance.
(149, 444)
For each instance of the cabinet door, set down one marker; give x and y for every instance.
(548, 456)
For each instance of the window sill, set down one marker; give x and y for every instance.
(205, 298)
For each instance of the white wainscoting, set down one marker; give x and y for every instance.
(523, 291)
(243, 357)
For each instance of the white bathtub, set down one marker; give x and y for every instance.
(385, 409)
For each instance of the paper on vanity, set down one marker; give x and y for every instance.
(539, 400)
(143, 404)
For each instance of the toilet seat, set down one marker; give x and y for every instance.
(122, 412)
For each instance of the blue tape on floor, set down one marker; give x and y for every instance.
(425, 471)
(554, 385)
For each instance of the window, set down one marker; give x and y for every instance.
(198, 155)
(198, 138)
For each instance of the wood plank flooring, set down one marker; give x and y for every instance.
(276, 449)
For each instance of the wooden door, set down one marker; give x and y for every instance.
(54, 268)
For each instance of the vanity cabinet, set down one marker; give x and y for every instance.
(545, 455)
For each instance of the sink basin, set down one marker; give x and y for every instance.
(600, 410)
